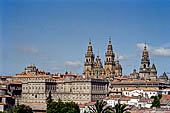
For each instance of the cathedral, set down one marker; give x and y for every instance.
(93, 68)
(146, 72)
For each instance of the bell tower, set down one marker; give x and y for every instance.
(89, 60)
(109, 61)
(144, 71)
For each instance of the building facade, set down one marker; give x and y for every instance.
(146, 72)
(94, 68)
(36, 90)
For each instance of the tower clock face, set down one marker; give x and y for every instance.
(144, 69)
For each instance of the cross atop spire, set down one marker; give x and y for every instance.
(90, 46)
(117, 59)
(110, 44)
(109, 39)
(145, 45)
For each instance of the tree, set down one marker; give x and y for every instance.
(61, 107)
(100, 107)
(120, 108)
(22, 109)
(156, 102)
(160, 96)
(49, 98)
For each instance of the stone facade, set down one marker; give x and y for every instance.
(94, 69)
(146, 72)
(36, 90)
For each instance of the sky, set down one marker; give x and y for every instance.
(54, 34)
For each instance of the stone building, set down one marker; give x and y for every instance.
(163, 77)
(36, 90)
(6, 102)
(94, 68)
(146, 72)
(34, 71)
(117, 86)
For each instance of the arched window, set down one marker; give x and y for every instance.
(144, 65)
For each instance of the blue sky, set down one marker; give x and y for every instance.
(54, 34)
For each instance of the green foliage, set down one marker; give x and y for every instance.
(9, 111)
(121, 108)
(22, 109)
(49, 98)
(61, 107)
(100, 107)
(160, 96)
(2, 112)
(156, 102)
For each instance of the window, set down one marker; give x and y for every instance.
(144, 65)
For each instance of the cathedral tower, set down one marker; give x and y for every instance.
(153, 72)
(109, 61)
(118, 68)
(89, 60)
(98, 69)
(145, 65)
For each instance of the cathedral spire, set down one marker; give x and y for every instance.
(117, 60)
(89, 60)
(145, 46)
(90, 49)
(144, 70)
(110, 45)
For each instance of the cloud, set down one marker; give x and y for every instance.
(74, 64)
(122, 57)
(157, 51)
(161, 51)
(141, 46)
(29, 50)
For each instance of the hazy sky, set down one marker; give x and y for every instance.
(54, 34)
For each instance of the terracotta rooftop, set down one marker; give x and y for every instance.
(133, 82)
(2, 103)
(3, 96)
(10, 82)
(144, 89)
(81, 105)
(32, 103)
(70, 74)
(29, 76)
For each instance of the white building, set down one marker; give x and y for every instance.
(147, 93)
(165, 91)
(134, 101)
